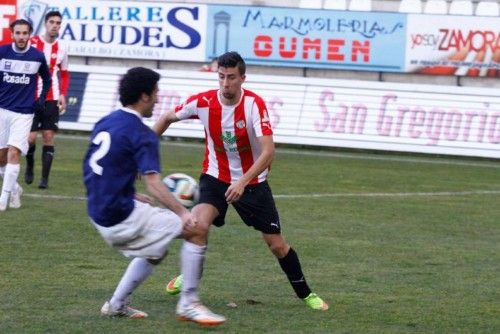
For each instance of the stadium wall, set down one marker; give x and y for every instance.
(419, 118)
(379, 45)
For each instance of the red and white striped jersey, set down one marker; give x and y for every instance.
(231, 144)
(56, 54)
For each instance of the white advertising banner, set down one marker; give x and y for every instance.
(453, 45)
(322, 112)
(126, 29)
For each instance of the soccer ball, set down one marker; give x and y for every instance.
(184, 188)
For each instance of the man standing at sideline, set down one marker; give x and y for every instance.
(47, 121)
(122, 146)
(239, 148)
(19, 66)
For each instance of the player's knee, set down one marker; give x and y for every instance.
(197, 235)
(13, 154)
(201, 233)
(201, 236)
(279, 249)
(48, 139)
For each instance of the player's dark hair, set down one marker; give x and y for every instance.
(53, 13)
(21, 22)
(232, 59)
(135, 82)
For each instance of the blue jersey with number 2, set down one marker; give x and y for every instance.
(121, 146)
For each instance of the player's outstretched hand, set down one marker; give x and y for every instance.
(234, 192)
(61, 104)
(61, 108)
(189, 222)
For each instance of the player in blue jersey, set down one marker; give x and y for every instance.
(122, 147)
(20, 64)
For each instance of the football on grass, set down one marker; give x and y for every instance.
(184, 188)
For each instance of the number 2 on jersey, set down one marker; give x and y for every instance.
(104, 140)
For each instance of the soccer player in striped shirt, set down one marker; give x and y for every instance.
(56, 54)
(20, 64)
(238, 154)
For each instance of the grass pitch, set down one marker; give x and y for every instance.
(394, 243)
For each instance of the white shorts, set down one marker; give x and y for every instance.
(146, 233)
(15, 129)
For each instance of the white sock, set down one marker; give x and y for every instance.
(192, 258)
(2, 173)
(138, 270)
(10, 179)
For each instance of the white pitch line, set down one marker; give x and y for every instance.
(416, 194)
(381, 157)
(46, 196)
(324, 195)
(347, 155)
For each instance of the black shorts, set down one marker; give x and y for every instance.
(48, 119)
(256, 206)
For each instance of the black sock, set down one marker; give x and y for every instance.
(47, 157)
(30, 161)
(291, 266)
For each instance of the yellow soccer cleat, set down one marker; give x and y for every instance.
(315, 302)
(174, 287)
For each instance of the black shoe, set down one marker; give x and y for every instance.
(28, 176)
(44, 183)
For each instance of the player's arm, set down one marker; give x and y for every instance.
(44, 73)
(64, 84)
(164, 122)
(264, 160)
(61, 103)
(159, 190)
